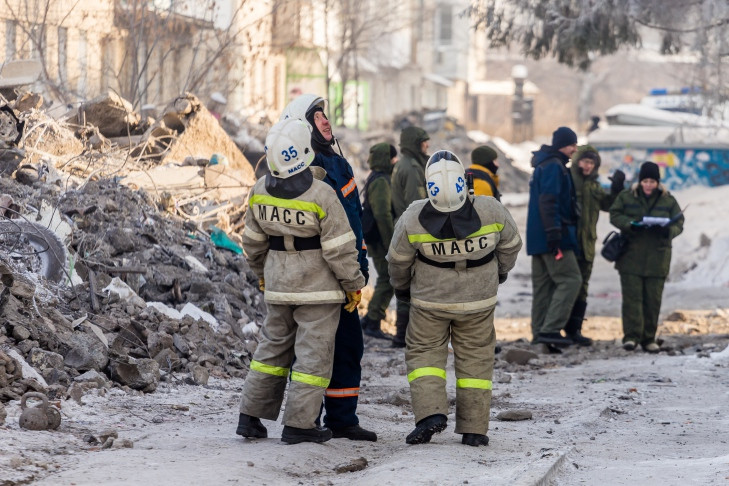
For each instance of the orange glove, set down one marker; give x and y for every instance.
(353, 300)
(261, 284)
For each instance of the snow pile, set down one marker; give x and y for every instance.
(701, 252)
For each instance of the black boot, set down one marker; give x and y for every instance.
(425, 429)
(251, 427)
(294, 435)
(354, 432)
(475, 440)
(553, 338)
(573, 329)
(401, 326)
(372, 328)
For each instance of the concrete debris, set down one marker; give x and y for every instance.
(514, 415)
(139, 374)
(353, 466)
(143, 293)
(518, 356)
(110, 113)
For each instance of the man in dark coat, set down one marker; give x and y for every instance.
(551, 238)
(342, 394)
(408, 185)
(377, 226)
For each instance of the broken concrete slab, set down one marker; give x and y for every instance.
(200, 135)
(518, 356)
(110, 113)
(139, 374)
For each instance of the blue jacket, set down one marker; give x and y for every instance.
(341, 178)
(552, 202)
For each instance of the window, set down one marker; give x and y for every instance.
(83, 66)
(445, 25)
(10, 29)
(62, 55)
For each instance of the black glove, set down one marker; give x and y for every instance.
(618, 183)
(503, 277)
(637, 226)
(661, 231)
(554, 237)
(403, 295)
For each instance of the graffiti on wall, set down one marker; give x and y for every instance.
(680, 168)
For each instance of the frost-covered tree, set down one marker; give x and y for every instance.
(575, 31)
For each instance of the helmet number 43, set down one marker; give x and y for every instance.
(434, 190)
(289, 154)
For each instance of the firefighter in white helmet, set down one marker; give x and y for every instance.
(298, 242)
(448, 255)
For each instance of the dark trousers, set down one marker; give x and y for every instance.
(641, 305)
(340, 398)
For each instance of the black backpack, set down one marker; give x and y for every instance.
(484, 176)
(369, 226)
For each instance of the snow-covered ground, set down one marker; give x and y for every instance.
(600, 415)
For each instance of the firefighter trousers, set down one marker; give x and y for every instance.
(308, 332)
(473, 339)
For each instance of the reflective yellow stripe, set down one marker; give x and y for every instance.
(309, 379)
(484, 230)
(341, 392)
(338, 241)
(288, 203)
(268, 369)
(427, 371)
(332, 296)
(473, 306)
(254, 235)
(473, 383)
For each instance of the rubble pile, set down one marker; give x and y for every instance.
(148, 293)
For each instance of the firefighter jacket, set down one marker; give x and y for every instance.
(303, 247)
(455, 275)
(408, 175)
(648, 252)
(591, 199)
(340, 177)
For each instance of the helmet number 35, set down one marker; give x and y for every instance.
(289, 154)
(434, 190)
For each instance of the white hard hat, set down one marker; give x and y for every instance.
(300, 106)
(445, 181)
(288, 148)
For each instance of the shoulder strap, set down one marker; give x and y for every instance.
(374, 175)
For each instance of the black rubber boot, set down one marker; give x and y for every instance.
(372, 328)
(354, 432)
(425, 429)
(251, 427)
(401, 326)
(573, 329)
(553, 338)
(294, 435)
(475, 440)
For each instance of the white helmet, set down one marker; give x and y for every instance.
(288, 148)
(300, 106)
(445, 181)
